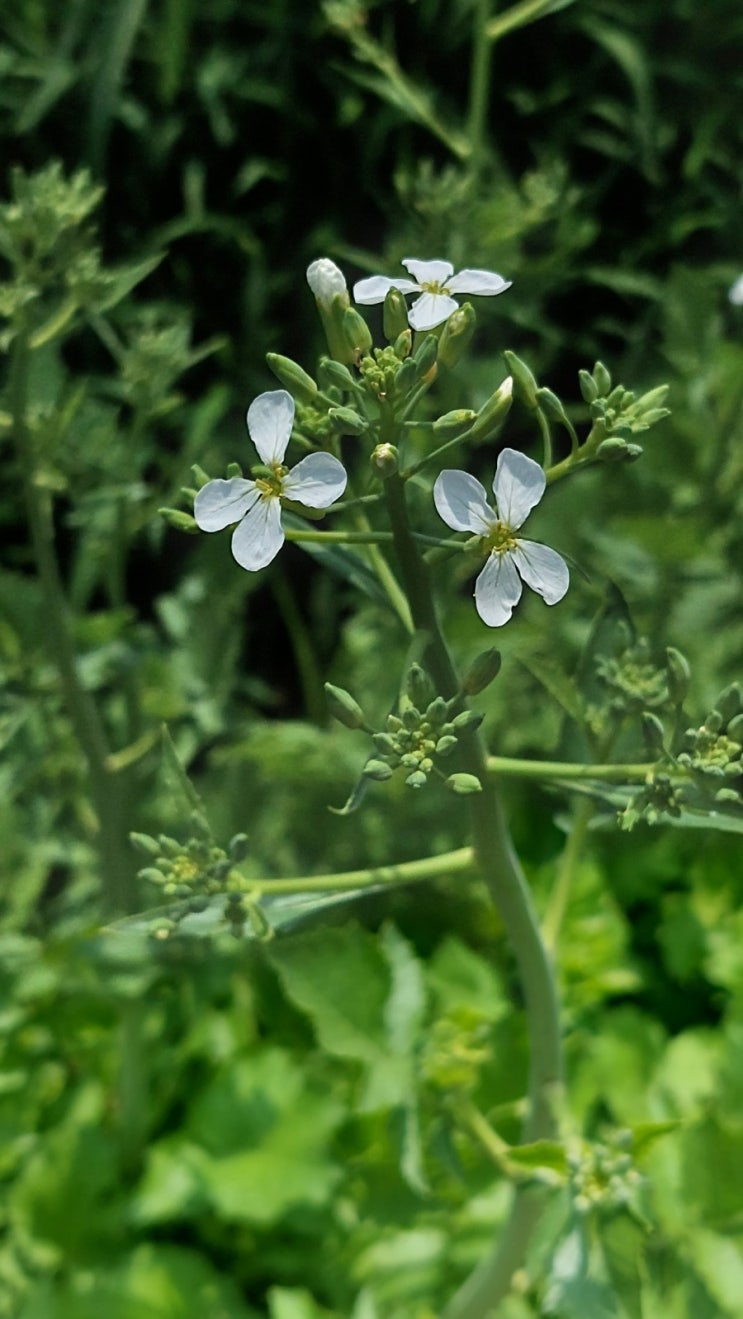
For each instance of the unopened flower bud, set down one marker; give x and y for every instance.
(377, 770)
(463, 784)
(180, 521)
(418, 686)
(356, 333)
(417, 779)
(456, 336)
(467, 720)
(348, 421)
(403, 345)
(327, 283)
(454, 421)
(653, 731)
(394, 315)
(613, 450)
(446, 745)
(300, 385)
(343, 707)
(729, 701)
(588, 387)
(145, 843)
(335, 373)
(481, 672)
(678, 675)
(425, 355)
(524, 382)
(493, 413)
(384, 459)
(238, 847)
(603, 379)
(552, 406)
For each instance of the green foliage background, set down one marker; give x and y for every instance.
(229, 1128)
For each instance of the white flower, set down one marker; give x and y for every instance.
(316, 481)
(735, 294)
(435, 281)
(518, 485)
(326, 281)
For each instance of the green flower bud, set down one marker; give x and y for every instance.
(233, 469)
(300, 385)
(634, 451)
(456, 336)
(524, 383)
(463, 784)
(481, 672)
(343, 707)
(425, 355)
(466, 720)
(446, 745)
(377, 770)
(199, 476)
(152, 876)
(679, 675)
(403, 345)
(653, 731)
(335, 373)
(411, 718)
(169, 846)
(552, 406)
(145, 843)
(384, 459)
(417, 779)
(436, 712)
(613, 450)
(356, 333)
(238, 847)
(454, 421)
(180, 521)
(727, 796)
(418, 686)
(729, 701)
(735, 729)
(588, 386)
(493, 413)
(602, 378)
(347, 421)
(714, 722)
(394, 315)
(385, 743)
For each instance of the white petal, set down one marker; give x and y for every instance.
(376, 287)
(543, 569)
(317, 481)
(461, 501)
(497, 589)
(430, 310)
(736, 292)
(518, 486)
(327, 281)
(477, 281)
(220, 503)
(270, 420)
(259, 536)
(429, 272)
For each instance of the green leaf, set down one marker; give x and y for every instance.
(623, 1242)
(541, 1155)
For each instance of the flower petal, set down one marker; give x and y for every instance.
(461, 501)
(317, 481)
(429, 272)
(497, 589)
(518, 486)
(376, 287)
(220, 503)
(735, 294)
(543, 569)
(430, 310)
(259, 536)
(270, 420)
(477, 281)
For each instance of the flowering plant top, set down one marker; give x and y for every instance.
(316, 481)
(436, 282)
(518, 485)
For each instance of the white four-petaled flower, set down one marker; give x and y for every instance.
(436, 282)
(316, 481)
(518, 485)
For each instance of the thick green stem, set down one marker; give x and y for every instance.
(502, 873)
(105, 788)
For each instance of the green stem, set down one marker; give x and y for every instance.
(406, 872)
(105, 789)
(558, 904)
(502, 873)
(479, 86)
(554, 769)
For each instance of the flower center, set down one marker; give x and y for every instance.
(272, 484)
(499, 539)
(434, 287)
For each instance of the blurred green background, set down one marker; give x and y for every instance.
(189, 1126)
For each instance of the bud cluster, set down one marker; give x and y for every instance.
(391, 373)
(616, 413)
(714, 751)
(635, 683)
(602, 1177)
(426, 730)
(195, 870)
(456, 1050)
